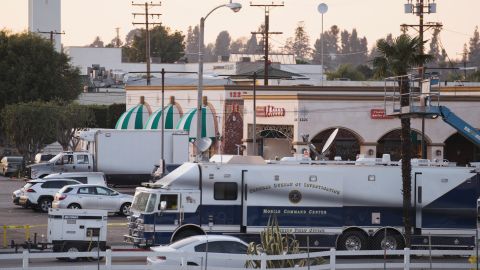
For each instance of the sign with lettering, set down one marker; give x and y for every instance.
(270, 111)
(379, 114)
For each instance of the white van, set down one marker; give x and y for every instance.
(93, 178)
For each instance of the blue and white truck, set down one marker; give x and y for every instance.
(347, 205)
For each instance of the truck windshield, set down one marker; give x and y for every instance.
(144, 202)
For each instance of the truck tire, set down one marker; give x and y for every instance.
(44, 204)
(393, 241)
(352, 240)
(74, 206)
(186, 231)
(125, 209)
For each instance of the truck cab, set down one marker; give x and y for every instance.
(63, 162)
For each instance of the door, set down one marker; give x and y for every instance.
(418, 205)
(65, 163)
(171, 210)
(87, 197)
(82, 163)
(106, 199)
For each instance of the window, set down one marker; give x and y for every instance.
(83, 180)
(232, 247)
(151, 203)
(171, 199)
(82, 159)
(86, 190)
(67, 190)
(103, 191)
(67, 159)
(225, 191)
(93, 232)
(54, 184)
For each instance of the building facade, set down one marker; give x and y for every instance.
(287, 117)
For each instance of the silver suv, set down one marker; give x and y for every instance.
(93, 197)
(41, 192)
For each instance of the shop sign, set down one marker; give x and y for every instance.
(379, 114)
(270, 111)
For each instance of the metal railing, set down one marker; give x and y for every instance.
(402, 259)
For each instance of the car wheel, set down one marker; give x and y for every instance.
(125, 209)
(74, 206)
(45, 204)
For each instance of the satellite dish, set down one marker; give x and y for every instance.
(203, 144)
(329, 140)
(322, 8)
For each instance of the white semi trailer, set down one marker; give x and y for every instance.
(127, 157)
(354, 206)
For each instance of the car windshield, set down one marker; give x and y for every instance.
(144, 202)
(184, 242)
(15, 159)
(29, 185)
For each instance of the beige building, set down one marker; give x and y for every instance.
(285, 115)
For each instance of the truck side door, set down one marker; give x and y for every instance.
(171, 212)
(82, 163)
(65, 163)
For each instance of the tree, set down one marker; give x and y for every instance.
(31, 69)
(222, 44)
(330, 48)
(253, 47)
(396, 59)
(192, 44)
(238, 45)
(97, 43)
(30, 126)
(209, 53)
(353, 50)
(346, 71)
(164, 45)
(300, 44)
(474, 48)
(71, 118)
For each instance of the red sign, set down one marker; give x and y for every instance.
(270, 111)
(379, 114)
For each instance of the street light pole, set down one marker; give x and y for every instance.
(235, 7)
(322, 8)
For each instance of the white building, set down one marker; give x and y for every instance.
(45, 16)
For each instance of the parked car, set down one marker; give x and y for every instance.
(216, 244)
(41, 192)
(17, 193)
(11, 164)
(93, 197)
(93, 178)
(42, 157)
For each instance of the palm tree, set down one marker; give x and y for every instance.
(396, 59)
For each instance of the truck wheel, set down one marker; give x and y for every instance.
(391, 242)
(125, 209)
(353, 240)
(72, 249)
(74, 206)
(45, 204)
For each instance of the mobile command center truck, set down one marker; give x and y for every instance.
(127, 157)
(348, 206)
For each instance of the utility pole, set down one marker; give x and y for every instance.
(52, 33)
(419, 9)
(147, 34)
(265, 34)
(117, 37)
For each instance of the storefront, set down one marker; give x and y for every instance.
(287, 116)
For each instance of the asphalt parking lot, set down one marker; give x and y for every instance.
(14, 215)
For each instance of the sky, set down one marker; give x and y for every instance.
(83, 20)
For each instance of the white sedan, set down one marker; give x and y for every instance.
(200, 244)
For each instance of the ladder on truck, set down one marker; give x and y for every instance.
(423, 102)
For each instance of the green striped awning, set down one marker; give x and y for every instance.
(171, 118)
(189, 122)
(134, 118)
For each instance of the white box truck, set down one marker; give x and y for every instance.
(127, 157)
